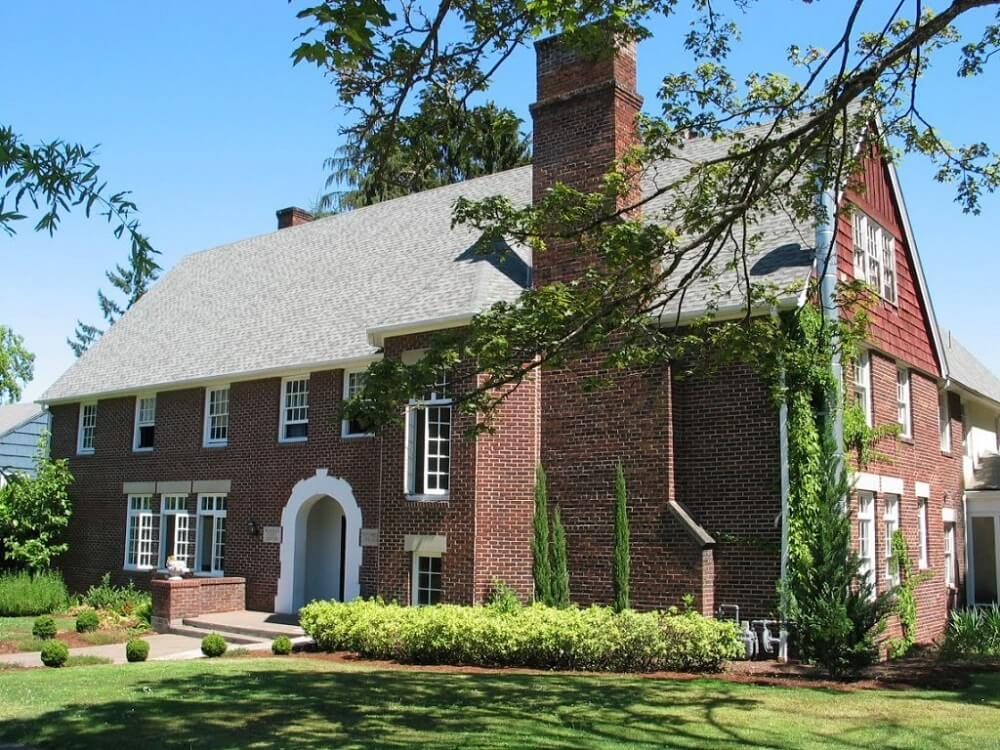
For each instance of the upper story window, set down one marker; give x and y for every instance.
(863, 384)
(904, 412)
(86, 428)
(211, 534)
(354, 382)
(142, 534)
(866, 535)
(145, 423)
(428, 443)
(891, 520)
(294, 409)
(922, 530)
(875, 256)
(944, 422)
(216, 416)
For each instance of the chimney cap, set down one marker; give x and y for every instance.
(292, 216)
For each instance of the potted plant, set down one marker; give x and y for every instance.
(176, 568)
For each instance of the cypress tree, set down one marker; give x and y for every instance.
(621, 556)
(540, 542)
(560, 567)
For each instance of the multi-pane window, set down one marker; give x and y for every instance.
(904, 415)
(354, 382)
(87, 428)
(426, 580)
(142, 535)
(922, 529)
(211, 534)
(294, 409)
(429, 442)
(874, 255)
(863, 384)
(866, 535)
(145, 423)
(944, 422)
(217, 415)
(949, 554)
(177, 531)
(891, 521)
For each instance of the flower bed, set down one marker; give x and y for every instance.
(593, 639)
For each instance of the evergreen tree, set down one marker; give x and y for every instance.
(621, 559)
(560, 566)
(540, 542)
(836, 614)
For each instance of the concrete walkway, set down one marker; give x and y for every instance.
(161, 646)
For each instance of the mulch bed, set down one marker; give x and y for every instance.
(71, 638)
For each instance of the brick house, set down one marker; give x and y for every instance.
(204, 425)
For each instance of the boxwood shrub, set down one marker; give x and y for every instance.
(281, 646)
(594, 639)
(54, 653)
(44, 627)
(136, 650)
(213, 644)
(87, 621)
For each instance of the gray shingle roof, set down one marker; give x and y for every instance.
(307, 296)
(966, 370)
(14, 415)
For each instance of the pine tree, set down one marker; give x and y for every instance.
(540, 543)
(560, 566)
(621, 559)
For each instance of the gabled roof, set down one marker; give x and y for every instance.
(13, 416)
(324, 294)
(967, 371)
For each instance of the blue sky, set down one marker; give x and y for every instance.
(201, 114)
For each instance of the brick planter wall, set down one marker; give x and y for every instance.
(190, 597)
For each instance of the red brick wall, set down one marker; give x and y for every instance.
(190, 597)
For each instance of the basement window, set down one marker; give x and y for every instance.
(874, 255)
(145, 423)
(428, 443)
(294, 409)
(142, 534)
(427, 587)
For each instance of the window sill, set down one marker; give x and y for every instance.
(427, 498)
(137, 569)
(357, 435)
(213, 446)
(292, 441)
(85, 452)
(142, 450)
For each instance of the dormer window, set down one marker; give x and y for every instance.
(874, 256)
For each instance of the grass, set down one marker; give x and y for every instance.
(18, 630)
(86, 660)
(308, 703)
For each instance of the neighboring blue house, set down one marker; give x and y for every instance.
(21, 427)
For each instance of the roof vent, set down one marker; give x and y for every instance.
(292, 216)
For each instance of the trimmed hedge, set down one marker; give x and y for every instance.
(593, 639)
(136, 650)
(23, 594)
(54, 653)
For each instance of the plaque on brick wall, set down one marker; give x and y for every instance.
(369, 537)
(271, 534)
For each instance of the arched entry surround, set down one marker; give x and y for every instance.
(294, 520)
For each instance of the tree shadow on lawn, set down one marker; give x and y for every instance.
(271, 707)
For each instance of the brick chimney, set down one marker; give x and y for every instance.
(292, 217)
(584, 120)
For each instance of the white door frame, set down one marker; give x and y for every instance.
(980, 504)
(293, 535)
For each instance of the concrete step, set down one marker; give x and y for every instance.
(251, 626)
(235, 639)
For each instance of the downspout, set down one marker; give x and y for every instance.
(785, 487)
(826, 267)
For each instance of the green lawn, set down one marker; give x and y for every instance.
(272, 703)
(18, 629)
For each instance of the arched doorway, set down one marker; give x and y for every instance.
(320, 543)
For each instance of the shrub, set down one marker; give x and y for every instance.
(54, 653)
(86, 621)
(595, 639)
(213, 644)
(973, 633)
(44, 627)
(23, 594)
(502, 598)
(541, 568)
(126, 601)
(620, 568)
(136, 650)
(281, 646)
(559, 563)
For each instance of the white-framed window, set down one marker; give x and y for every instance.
(142, 534)
(874, 255)
(87, 428)
(354, 381)
(426, 579)
(866, 535)
(428, 444)
(211, 534)
(922, 530)
(891, 520)
(177, 530)
(944, 422)
(949, 555)
(904, 412)
(294, 409)
(863, 384)
(216, 416)
(144, 431)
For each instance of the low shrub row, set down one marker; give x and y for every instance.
(128, 602)
(25, 594)
(594, 639)
(973, 633)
